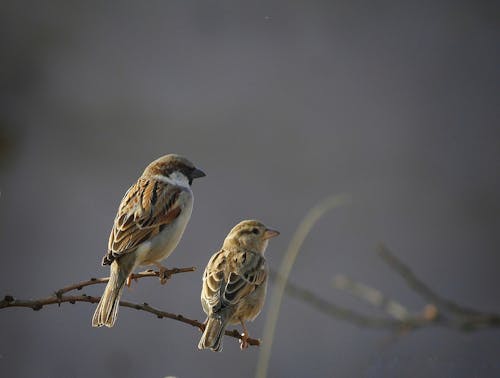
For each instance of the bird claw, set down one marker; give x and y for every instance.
(203, 326)
(244, 341)
(164, 276)
(129, 280)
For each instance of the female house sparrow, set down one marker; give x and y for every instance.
(150, 221)
(234, 282)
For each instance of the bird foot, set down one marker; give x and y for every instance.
(244, 341)
(163, 275)
(129, 281)
(203, 326)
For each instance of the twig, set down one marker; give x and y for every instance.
(433, 314)
(371, 295)
(421, 288)
(462, 317)
(59, 297)
(135, 276)
(333, 310)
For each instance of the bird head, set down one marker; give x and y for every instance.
(174, 167)
(251, 235)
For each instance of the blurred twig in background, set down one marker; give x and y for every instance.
(59, 297)
(438, 311)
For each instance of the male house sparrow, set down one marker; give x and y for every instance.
(234, 282)
(150, 222)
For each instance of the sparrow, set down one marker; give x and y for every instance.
(151, 219)
(235, 282)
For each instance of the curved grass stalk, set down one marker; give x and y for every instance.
(274, 305)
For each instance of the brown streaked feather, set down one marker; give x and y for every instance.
(146, 209)
(230, 276)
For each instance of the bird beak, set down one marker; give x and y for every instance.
(197, 173)
(270, 234)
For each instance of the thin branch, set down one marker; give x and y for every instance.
(462, 317)
(59, 297)
(439, 313)
(372, 296)
(135, 276)
(420, 287)
(334, 310)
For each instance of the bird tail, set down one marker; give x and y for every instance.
(214, 331)
(107, 309)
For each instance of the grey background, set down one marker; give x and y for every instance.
(281, 103)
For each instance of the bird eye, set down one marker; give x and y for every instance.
(255, 231)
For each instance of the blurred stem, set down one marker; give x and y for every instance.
(419, 286)
(312, 217)
(372, 296)
(334, 310)
(439, 311)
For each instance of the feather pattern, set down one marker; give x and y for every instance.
(147, 207)
(231, 276)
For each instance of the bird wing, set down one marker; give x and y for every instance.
(231, 276)
(148, 206)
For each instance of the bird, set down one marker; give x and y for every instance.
(150, 221)
(235, 282)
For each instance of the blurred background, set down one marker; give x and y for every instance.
(282, 103)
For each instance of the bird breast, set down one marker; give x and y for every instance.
(162, 245)
(249, 308)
